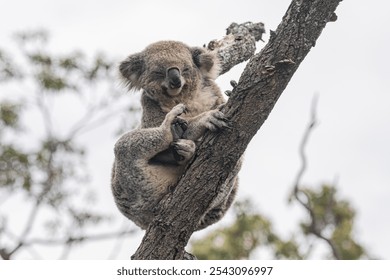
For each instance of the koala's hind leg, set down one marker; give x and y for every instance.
(183, 149)
(223, 200)
(216, 213)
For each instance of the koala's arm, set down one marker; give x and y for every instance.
(152, 114)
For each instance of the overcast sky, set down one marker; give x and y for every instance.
(348, 68)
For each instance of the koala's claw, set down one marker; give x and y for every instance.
(227, 124)
(217, 120)
(182, 123)
(173, 114)
(176, 111)
(234, 84)
(178, 127)
(179, 109)
(221, 106)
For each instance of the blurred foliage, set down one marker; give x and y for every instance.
(247, 233)
(14, 164)
(7, 68)
(251, 231)
(332, 219)
(9, 115)
(49, 170)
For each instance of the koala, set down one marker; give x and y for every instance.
(180, 102)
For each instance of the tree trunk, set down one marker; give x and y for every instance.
(262, 82)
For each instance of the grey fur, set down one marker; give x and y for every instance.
(180, 102)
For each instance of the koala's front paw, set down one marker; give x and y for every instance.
(178, 127)
(172, 115)
(177, 110)
(183, 150)
(216, 120)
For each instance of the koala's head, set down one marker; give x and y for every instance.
(168, 68)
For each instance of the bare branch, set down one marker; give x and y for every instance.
(238, 45)
(30, 221)
(297, 191)
(312, 124)
(85, 124)
(119, 241)
(80, 238)
(46, 116)
(65, 251)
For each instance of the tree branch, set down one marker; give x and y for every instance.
(262, 82)
(297, 191)
(79, 238)
(238, 45)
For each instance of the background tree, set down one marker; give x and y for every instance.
(248, 232)
(251, 233)
(42, 168)
(329, 219)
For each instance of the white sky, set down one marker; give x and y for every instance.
(349, 68)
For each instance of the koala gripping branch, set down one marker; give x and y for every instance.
(262, 82)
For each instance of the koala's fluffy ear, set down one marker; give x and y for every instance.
(206, 61)
(131, 70)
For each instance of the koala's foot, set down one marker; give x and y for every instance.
(210, 218)
(183, 150)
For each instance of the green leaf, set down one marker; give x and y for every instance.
(49, 81)
(9, 114)
(8, 68)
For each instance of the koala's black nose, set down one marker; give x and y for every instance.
(174, 77)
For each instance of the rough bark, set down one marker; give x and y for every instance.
(238, 45)
(262, 82)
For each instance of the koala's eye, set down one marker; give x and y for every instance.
(186, 70)
(158, 74)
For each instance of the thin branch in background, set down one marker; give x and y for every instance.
(27, 229)
(119, 242)
(80, 238)
(46, 116)
(34, 254)
(65, 251)
(312, 124)
(298, 193)
(48, 184)
(86, 125)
